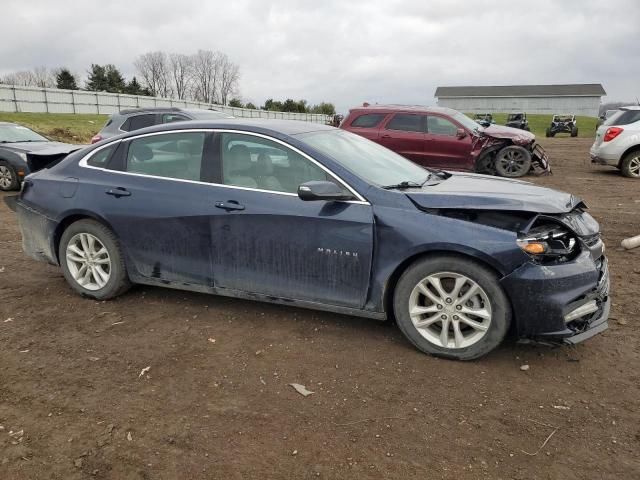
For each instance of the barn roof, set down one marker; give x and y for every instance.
(568, 90)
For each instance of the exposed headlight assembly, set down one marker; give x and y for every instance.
(549, 241)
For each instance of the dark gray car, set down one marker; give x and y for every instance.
(135, 119)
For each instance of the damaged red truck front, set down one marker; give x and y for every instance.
(444, 138)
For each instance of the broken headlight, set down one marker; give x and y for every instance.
(549, 241)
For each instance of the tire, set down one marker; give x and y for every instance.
(8, 177)
(630, 165)
(547, 133)
(485, 164)
(513, 161)
(490, 300)
(91, 236)
(574, 132)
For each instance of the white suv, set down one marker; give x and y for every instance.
(618, 142)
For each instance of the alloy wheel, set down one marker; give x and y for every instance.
(513, 163)
(634, 167)
(6, 177)
(88, 261)
(450, 310)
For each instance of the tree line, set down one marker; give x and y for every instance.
(206, 76)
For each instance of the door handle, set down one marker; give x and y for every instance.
(229, 205)
(118, 192)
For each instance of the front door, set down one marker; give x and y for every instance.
(444, 148)
(266, 240)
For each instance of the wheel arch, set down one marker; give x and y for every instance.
(70, 218)
(464, 253)
(629, 150)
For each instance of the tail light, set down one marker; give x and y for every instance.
(611, 133)
(96, 138)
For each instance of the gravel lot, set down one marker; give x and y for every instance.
(215, 401)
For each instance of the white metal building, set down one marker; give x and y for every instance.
(579, 99)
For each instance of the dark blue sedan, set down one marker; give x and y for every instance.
(317, 217)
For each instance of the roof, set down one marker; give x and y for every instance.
(568, 90)
(404, 108)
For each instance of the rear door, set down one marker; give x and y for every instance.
(367, 125)
(404, 134)
(266, 240)
(155, 194)
(444, 148)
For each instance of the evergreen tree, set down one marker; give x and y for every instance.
(97, 80)
(66, 80)
(134, 88)
(114, 79)
(235, 102)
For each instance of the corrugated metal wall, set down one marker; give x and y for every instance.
(588, 106)
(51, 100)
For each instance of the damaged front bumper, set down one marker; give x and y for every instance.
(540, 160)
(564, 303)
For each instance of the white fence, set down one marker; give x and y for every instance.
(52, 100)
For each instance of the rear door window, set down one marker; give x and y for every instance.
(406, 122)
(623, 117)
(169, 155)
(441, 126)
(138, 122)
(368, 120)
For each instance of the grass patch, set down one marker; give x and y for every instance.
(538, 124)
(63, 127)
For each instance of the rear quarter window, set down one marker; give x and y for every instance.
(368, 120)
(101, 157)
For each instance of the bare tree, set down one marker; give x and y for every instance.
(154, 69)
(206, 75)
(181, 68)
(229, 77)
(38, 77)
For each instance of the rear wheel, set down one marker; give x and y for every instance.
(513, 161)
(451, 307)
(8, 177)
(630, 166)
(547, 133)
(574, 132)
(92, 261)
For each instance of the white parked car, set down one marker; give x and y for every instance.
(618, 142)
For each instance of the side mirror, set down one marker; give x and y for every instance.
(460, 133)
(321, 190)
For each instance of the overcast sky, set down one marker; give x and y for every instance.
(341, 51)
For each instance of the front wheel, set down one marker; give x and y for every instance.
(574, 132)
(92, 261)
(547, 133)
(451, 307)
(513, 161)
(8, 177)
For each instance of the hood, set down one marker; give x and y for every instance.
(514, 134)
(481, 192)
(42, 148)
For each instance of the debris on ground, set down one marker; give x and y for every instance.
(143, 371)
(301, 389)
(631, 242)
(212, 340)
(524, 367)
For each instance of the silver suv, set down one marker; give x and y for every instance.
(130, 120)
(618, 142)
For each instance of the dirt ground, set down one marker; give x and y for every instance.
(215, 400)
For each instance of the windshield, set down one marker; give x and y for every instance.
(366, 159)
(207, 114)
(17, 133)
(465, 121)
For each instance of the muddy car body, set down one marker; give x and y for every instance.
(317, 217)
(23, 151)
(444, 138)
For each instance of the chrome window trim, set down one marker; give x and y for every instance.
(83, 163)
